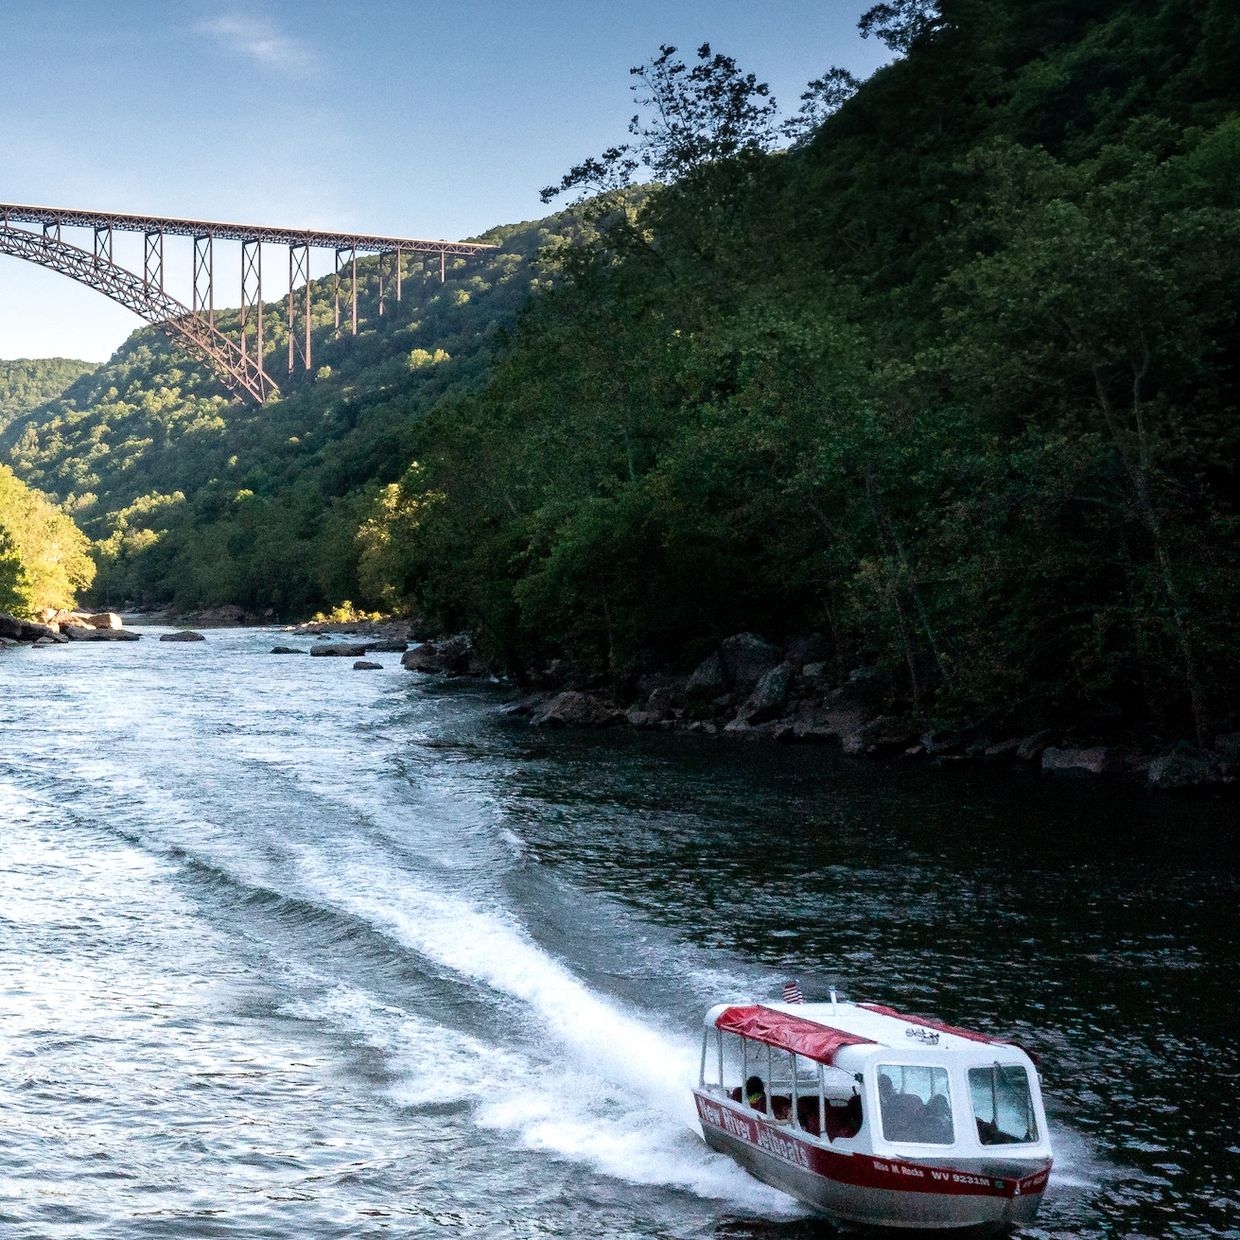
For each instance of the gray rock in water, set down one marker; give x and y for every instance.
(387, 646)
(1094, 761)
(183, 635)
(886, 734)
(1185, 769)
(364, 665)
(451, 656)
(1031, 747)
(103, 620)
(769, 697)
(28, 631)
(285, 650)
(665, 701)
(10, 627)
(340, 650)
(85, 633)
(578, 710)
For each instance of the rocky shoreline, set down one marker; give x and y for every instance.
(751, 689)
(55, 628)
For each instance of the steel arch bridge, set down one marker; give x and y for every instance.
(238, 363)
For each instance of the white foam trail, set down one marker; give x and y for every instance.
(477, 944)
(570, 1116)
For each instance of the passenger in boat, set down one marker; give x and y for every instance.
(937, 1121)
(904, 1115)
(755, 1093)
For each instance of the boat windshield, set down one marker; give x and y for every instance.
(1003, 1105)
(915, 1103)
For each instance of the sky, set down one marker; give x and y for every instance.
(395, 117)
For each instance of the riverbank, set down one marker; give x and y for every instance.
(750, 689)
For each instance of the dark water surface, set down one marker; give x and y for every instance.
(292, 951)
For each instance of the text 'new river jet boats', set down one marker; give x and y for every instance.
(875, 1117)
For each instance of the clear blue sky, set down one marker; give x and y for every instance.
(387, 116)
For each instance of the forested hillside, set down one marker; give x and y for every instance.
(195, 500)
(28, 382)
(953, 381)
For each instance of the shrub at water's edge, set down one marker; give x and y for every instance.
(44, 557)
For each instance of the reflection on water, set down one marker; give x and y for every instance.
(289, 951)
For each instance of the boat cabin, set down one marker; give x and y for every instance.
(861, 1077)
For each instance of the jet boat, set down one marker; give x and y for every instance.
(875, 1117)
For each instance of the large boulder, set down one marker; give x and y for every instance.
(769, 697)
(576, 710)
(447, 656)
(102, 620)
(1093, 761)
(709, 680)
(886, 734)
(666, 700)
(85, 633)
(29, 631)
(339, 650)
(182, 635)
(10, 627)
(746, 659)
(1186, 768)
(389, 645)
(365, 665)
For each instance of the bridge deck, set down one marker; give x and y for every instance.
(67, 217)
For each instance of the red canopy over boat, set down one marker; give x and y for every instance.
(789, 1033)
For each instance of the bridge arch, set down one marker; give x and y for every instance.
(240, 373)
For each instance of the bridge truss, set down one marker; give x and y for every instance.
(238, 363)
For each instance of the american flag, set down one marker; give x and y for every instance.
(792, 993)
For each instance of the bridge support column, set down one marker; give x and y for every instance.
(103, 245)
(298, 271)
(399, 257)
(153, 260)
(204, 277)
(252, 297)
(346, 259)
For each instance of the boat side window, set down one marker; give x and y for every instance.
(1003, 1105)
(915, 1103)
(729, 1063)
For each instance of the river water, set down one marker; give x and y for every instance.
(288, 950)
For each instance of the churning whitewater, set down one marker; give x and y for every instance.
(292, 950)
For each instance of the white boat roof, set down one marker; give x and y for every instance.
(792, 1027)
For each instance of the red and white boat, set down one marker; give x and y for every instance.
(876, 1117)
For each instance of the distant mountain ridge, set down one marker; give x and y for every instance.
(26, 383)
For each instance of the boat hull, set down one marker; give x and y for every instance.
(862, 1188)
